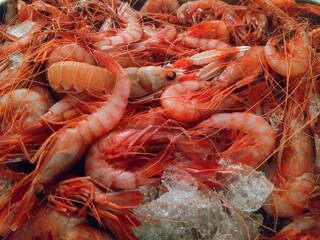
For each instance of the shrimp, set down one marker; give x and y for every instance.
(70, 52)
(75, 77)
(132, 33)
(22, 107)
(294, 174)
(65, 148)
(47, 223)
(126, 166)
(305, 226)
(160, 6)
(193, 100)
(254, 147)
(294, 61)
(113, 210)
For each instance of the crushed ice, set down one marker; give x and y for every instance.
(185, 212)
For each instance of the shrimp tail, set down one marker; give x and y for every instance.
(16, 207)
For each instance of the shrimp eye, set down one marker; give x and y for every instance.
(171, 76)
(39, 194)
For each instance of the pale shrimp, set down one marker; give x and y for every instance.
(47, 223)
(131, 33)
(193, 100)
(256, 144)
(75, 77)
(294, 171)
(160, 6)
(147, 80)
(302, 227)
(65, 148)
(21, 107)
(152, 34)
(203, 43)
(294, 60)
(113, 210)
(70, 52)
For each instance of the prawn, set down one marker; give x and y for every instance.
(26, 106)
(254, 147)
(49, 223)
(294, 61)
(65, 148)
(113, 160)
(132, 33)
(305, 226)
(75, 77)
(70, 52)
(113, 210)
(159, 6)
(294, 174)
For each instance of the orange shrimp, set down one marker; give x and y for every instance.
(47, 223)
(70, 52)
(294, 61)
(131, 33)
(126, 159)
(113, 210)
(254, 147)
(302, 227)
(294, 174)
(65, 148)
(159, 6)
(75, 77)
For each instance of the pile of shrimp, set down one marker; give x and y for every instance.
(99, 98)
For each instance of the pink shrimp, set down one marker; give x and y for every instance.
(65, 149)
(254, 147)
(131, 33)
(294, 171)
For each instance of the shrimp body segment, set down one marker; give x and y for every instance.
(75, 77)
(255, 147)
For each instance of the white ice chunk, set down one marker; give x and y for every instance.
(185, 212)
(246, 188)
(20, 29)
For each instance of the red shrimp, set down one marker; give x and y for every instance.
(159, 6)
(256, 144)
(64, 149)
(294, 175)
(112, 210)
(126, 159)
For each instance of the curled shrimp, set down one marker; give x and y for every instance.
(65, 149)
(113, 210)
(131, 33)
(254, 147)
(294, 60)
(114, 166)
(48, 223)
(294, 174)
(22, 106)
(70, 52)
(159, 6)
